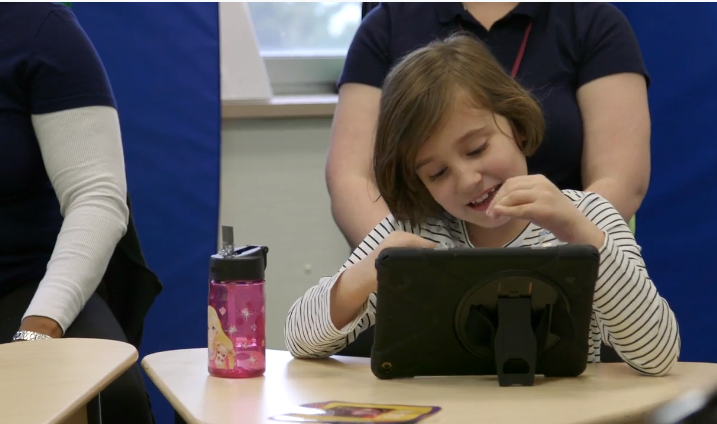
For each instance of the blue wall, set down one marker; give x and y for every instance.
(163, 62)
(675, 224)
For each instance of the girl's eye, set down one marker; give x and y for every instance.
(479, 150)
(437, 174)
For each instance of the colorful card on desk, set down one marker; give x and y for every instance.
(335, 412)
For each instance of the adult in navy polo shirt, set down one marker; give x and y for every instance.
(63, 191)
(581, 61)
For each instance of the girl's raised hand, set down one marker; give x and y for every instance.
(536, 199)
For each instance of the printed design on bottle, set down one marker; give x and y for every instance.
(220, 347)
(236, 329)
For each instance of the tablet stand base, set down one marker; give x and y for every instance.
(515, 345)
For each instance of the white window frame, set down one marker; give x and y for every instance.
(295, 74)
(303, 73)
(288, 73)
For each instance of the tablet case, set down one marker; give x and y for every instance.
(436, 308)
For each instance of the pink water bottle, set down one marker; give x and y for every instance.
(237, 310)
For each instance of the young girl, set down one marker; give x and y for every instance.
(453, 135)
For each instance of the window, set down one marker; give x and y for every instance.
(304, 44)
(305, 29)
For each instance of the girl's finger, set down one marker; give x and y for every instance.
(522, 211)
(512, 198)
(513, 184)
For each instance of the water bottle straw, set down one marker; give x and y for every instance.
(227, 241)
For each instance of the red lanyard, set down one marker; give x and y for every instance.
(521, 51)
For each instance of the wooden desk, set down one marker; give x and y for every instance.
(51, 381)
(606, 393)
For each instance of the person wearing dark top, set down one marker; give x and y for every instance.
(581, 60)
(63, 192)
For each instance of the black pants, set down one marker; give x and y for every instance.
(125, 400)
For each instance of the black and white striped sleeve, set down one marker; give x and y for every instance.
(308, 330)
(632, 317)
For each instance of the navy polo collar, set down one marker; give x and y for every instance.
(447, 12)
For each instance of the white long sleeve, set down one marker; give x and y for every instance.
(82, 152)
(628, 313)
(309, 331)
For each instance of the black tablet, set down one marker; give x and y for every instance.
(510, 312)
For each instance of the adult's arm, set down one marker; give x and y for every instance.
(616, 154)
(612, 97)
(82, 151)
(73, 113)
(355, 202)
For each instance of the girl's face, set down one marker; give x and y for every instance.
(464, 163)
(211, 330)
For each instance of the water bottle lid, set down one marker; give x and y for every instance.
(247, 263)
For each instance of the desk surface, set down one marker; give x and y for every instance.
(604, 393)
(47, 381)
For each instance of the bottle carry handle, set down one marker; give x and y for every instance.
(251, 250)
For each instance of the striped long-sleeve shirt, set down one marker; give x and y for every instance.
(628, 313)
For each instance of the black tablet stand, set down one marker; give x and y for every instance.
(515, 345)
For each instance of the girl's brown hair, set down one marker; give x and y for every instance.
(419, 94)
